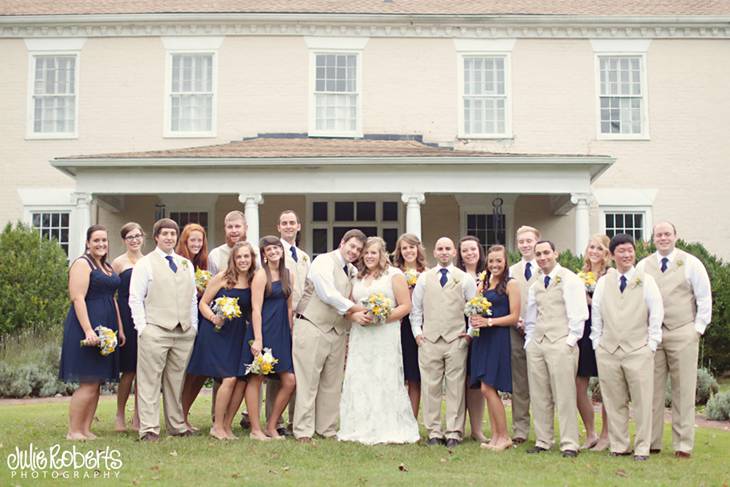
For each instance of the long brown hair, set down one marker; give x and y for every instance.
(383, 263)
(231, 273)
(501, 286)
(201, 259)
(283, 271)
(410, 239)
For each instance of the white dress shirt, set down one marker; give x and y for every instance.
(468, 288)
(534, 269)
(321, 273)
(696, 275)
(652, 298)
(576, 306)
(139, 283)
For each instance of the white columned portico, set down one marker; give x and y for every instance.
(582, 202)
(82, 221)
(413, 203)
(251, 202)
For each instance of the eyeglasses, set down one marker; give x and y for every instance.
(129, 238)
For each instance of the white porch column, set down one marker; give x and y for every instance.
(251, 204)
(413, 203)
(582, 220)
(82, 221)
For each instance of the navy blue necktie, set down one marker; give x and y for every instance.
(344, 268)
(622, 286)
(547, 281)
(443, 277)
(294, 255)
(528, 271)
(173, 266)
(665, 263)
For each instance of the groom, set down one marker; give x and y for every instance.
(318, 342)
(437, 321)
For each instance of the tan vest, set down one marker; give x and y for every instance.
(170, 294)
(625, 315)
(552, 317)
(300, 268)
(320, 314)
(680, 306)
(517, 271)
(443, 307)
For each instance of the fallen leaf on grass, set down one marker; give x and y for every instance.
(156, 477)
(443, 460)
(155, 468)
(285, 469)
(173, 453)
(402, 467)
(236, 475)
(621, 472)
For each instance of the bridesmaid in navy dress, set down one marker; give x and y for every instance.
(491, 366)
(219, 344)
(133, 237)
(271, 318)
(410, 255)
(91, 286)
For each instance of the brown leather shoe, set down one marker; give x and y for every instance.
(150, 437)
(517, 440)
(304, 439)
(655, 451)
(682, 454)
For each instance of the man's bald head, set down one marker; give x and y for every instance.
(444, 251)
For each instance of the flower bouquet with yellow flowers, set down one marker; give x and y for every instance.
(107, 340)
(202, 278)
(477, 306)
(412, 277)
(379, 306)
(589, 280)
(227, 308)
(263, 363)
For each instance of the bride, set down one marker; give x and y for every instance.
(375, 407)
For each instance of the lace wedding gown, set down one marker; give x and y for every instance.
(375, 407)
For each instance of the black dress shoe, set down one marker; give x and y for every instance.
(150, 437)
(184, 434)
(641, 458)
(452, 443)
(536, 449)
(620, 453)
(654, 451)
(435, 441)
(518, 440)
(284, 432)
(569, 453)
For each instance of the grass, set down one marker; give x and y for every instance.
(201, 461)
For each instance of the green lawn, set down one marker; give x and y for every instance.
(201, 461)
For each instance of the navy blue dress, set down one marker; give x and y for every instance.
(86, 364)
(218, 354)
(491, 350)
(409, 347)
(587, 366)
(275, 330)
(127, 353)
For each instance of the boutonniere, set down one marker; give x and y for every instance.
(638, 282)
(305, 258)
(558, 280)
(680, 263)
(185, 264)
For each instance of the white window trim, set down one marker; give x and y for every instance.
(190, 46)
(333, 45)
(30, 134)
(37, 200)
(482, 204)
(645, 210)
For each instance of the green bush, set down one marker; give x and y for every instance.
(718, 407)
(33, 280)
(706, 386)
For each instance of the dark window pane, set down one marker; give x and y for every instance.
(481, 220)
(365, 211)
(390, 235)
(344, 211)
(609, 221)
(319, 211)
(319, 240)
(390, 211)
(36, 220)
(64, 219)
(471, 221)
(46, 220)
(338, 232)
(64, 235)
(55, 219)
(620, 220)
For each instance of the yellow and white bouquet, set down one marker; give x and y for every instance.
(477, 306)
(227, 308)
(589, 280)
(379, 306)
(202, 278)
(263, 363)
(107, 340)
(412, 277)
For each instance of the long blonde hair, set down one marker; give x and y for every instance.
(382, 262)
(603, 241)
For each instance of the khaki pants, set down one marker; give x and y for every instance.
(520, 386)
(551, 370)
(623, 377)
(162, 357)
(677, 357)
(319, 362)
(442, 363)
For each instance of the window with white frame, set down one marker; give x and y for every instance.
(191, 93)
(336, 93)
(630, 222)
(622, 100)
(54, 92)
(182, 218)
(53, 225)
(485, 95)
(487, 228)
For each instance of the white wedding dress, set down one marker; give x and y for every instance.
(375, 407)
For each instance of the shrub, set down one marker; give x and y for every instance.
(33, 280)
(718, 407)
(706, 386)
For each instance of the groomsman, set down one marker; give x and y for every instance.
(625, 331)
(319, 338)
(437, 321)
(556, 312)
(525, 272)
(235, 230)
(297, 261)
(687, 295)
(164, 307)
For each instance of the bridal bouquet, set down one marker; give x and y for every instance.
(379, 306)
(412, 277)
(477, 306)
(227, 308)
(107, 340)
(263, 363)
(202, 278)
(589, 280)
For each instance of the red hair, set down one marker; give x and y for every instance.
(200, 260)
